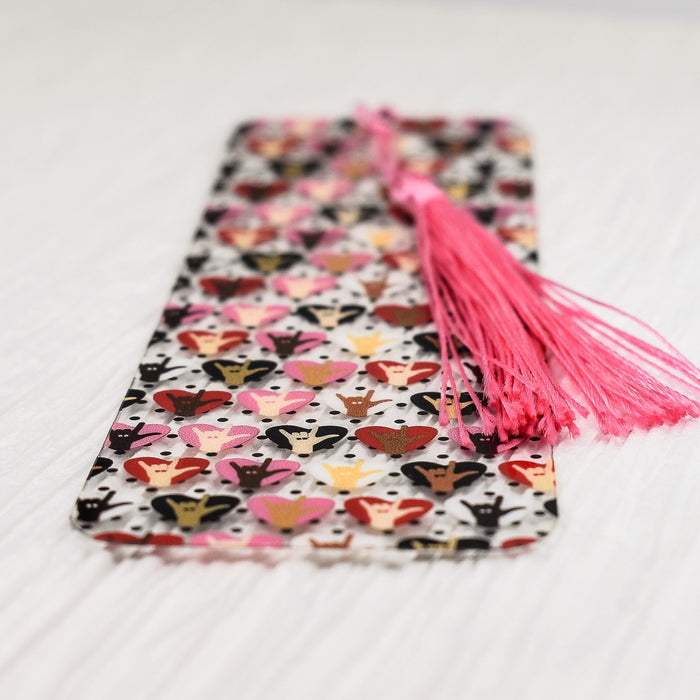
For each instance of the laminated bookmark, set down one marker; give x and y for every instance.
(358, 353)
(290, 394)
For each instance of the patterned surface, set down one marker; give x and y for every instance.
(290, 394)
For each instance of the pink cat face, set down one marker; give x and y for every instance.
(286, 513)
(252, 315)
(282, 214)
(273, 403)
(324, 190)
(224, 540)
(302, 287)
(212, 438)
(304, 128)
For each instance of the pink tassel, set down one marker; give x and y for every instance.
(516, 323)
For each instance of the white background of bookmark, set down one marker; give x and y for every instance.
(114, 118)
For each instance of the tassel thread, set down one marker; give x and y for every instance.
(517, 325)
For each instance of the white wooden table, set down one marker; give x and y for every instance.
(113, 117)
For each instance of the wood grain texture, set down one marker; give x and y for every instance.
(114, 116)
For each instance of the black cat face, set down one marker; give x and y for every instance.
(190, 512)
(443, 478)
(306, 440)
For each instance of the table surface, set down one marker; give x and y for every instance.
(114, 116)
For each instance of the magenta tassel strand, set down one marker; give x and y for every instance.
(519, 326)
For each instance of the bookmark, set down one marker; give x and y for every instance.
(292, 394)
